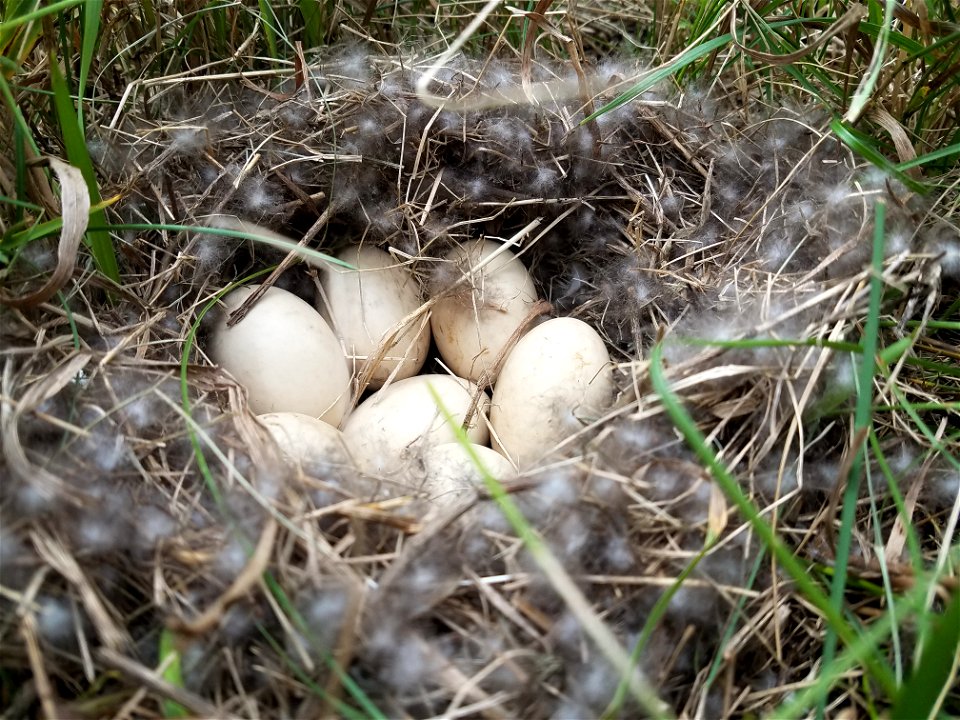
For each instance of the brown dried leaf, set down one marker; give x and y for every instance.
(901, 141)
(75, 210)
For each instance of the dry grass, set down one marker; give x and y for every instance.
(706, 213)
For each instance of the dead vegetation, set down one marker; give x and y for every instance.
(141, 502)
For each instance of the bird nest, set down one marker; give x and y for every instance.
(145, 509)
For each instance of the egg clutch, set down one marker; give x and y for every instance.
(339, 385)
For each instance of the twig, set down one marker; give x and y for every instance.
(145, 676)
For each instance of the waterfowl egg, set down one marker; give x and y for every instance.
(392, 426)
(367, 305)
(284, 354)
(557, 379)
(308, 444)
(474, 323)
(449, 471)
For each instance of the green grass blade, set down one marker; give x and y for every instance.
(19, 120)
(752, 343)
(731, 625)
(913, 542)
(865, 645)
(926, 407)
(270, 26)
(555, 573)
(51, 227)
(185, 403)
(312, 22)
(928, 433)
(944, 152)
(860, 144)
(370, 709)
(305, 253)
(47, 228)
(708, 14)
(928, 324)
(861, 422)
(149, 12)
(11, 52)
(18, 19)
(653, 619)
(172, 673)
(20, 203)
(900, 41)
(892, 353)
(681, 61)
(805, 583)
(696, 52)
(341, 707)
(937, 670)
(20, 186)
(71, 320)
(90, 36)
(101, 245)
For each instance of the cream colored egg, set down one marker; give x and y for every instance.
(284, 354)
(309, 444)
(367, 305)
(473, 324)
(449, 472)
(394, 425)
(557, 379)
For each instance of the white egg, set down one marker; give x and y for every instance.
(308, 444)
(390, 428)
(449, 471)
(557, 379)
(284, 354)
(473, 324)
(366, 306)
